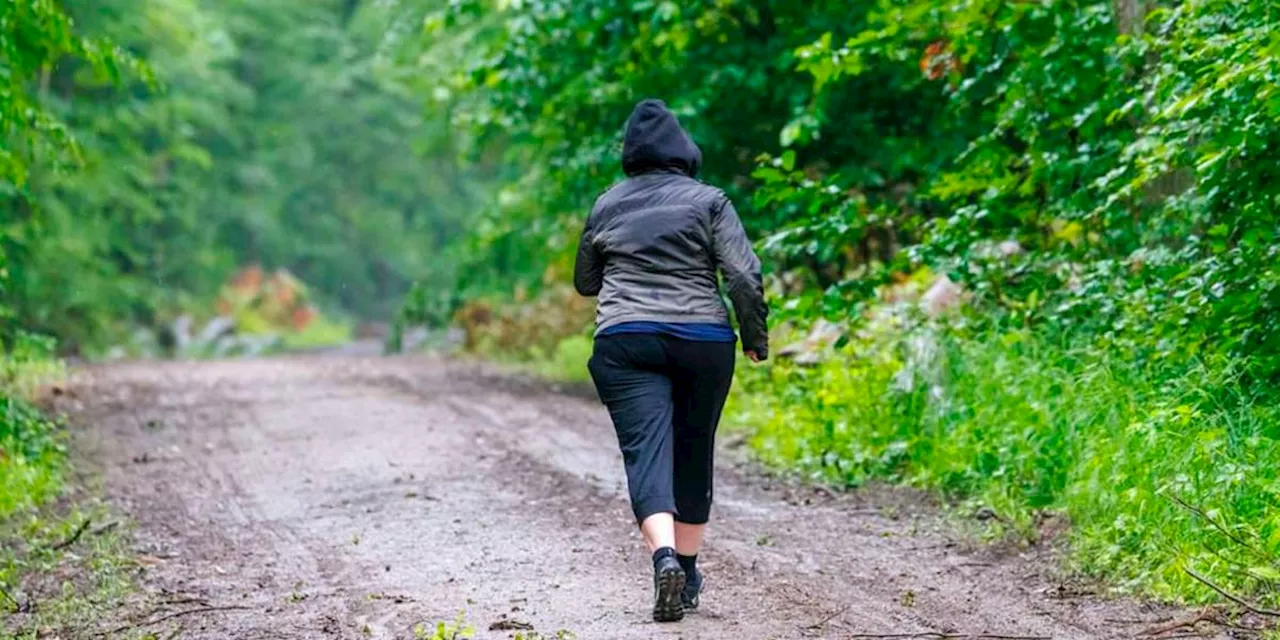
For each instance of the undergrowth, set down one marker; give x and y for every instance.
(64, 563)
(567, 362)
(546, 337)
(1160, 467)
(32, 452)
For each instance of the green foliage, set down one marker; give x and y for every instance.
(31, 457)
(426, 306)
(553, 82)
(1097, 175)
(27, 363)
(34, 35)
(1128, 163)
(567, 362)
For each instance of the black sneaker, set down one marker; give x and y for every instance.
(692, 587)
(668, 590)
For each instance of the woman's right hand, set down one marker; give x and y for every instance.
(753, 356)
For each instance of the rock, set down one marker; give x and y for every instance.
(822, 336)
(941, 297)
(216, 328)
(986, 513)
(1010, 248)
(256, 345)
(415, 338)
(180, 330)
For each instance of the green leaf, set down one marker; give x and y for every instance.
(768, 175)
(789, 160)
(790, 134)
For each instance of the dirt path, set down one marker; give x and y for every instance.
(340, 497)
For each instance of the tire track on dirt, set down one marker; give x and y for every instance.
(354, 498)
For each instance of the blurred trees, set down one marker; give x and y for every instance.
(292, 134)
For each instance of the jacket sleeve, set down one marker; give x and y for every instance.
(741, 270)
(588, 269)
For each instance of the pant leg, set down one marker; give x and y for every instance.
(628, 374)
(703, 373)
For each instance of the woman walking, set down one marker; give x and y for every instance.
(664, 349)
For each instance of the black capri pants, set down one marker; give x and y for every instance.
(665, 396)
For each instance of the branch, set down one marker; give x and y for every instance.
(1232, 597)
(1190, 623)
(75, 535)
(169, 616)
(1216, 525)
(835, 614)
(101, 529)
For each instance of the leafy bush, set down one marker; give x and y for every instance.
(526, 328)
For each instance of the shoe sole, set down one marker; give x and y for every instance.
(667, 605)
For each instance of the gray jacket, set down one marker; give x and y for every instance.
(654, 242)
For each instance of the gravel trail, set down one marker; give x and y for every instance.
(351, 497)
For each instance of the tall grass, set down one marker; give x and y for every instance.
(1159, 466)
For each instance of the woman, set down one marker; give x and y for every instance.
(664, 349)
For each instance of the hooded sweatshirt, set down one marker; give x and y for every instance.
(654, 244)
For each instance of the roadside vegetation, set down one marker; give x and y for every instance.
(64, 564)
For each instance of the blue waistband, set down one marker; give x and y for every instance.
(693, 331)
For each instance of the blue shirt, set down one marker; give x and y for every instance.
(693, 331)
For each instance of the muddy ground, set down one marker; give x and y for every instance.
(348, 497)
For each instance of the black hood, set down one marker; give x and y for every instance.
(656, 142)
